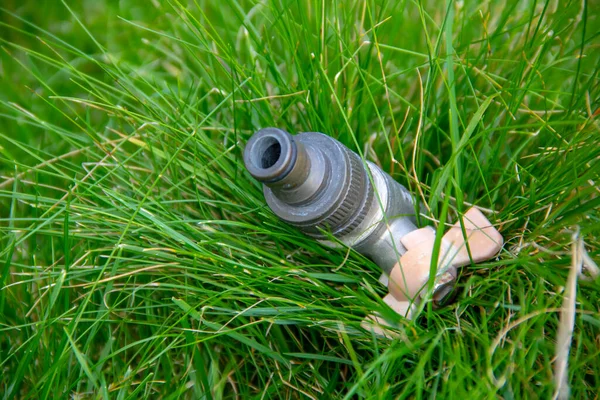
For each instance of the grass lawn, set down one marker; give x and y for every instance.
(138, 258)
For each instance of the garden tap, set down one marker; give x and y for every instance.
(317, 184)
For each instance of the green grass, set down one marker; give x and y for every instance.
(138, 258)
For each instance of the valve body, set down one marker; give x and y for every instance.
(317, 184)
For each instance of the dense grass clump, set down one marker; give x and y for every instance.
(138, 258)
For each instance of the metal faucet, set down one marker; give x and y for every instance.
(317, 184)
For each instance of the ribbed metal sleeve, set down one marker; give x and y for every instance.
(354, 203)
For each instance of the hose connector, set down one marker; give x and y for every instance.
(311, 181)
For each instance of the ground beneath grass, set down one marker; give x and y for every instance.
(138, 258)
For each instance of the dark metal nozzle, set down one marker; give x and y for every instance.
(311, 180)
(270, 155)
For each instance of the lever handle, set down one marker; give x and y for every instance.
(410, 275)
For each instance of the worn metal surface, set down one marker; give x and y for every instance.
(314, 182)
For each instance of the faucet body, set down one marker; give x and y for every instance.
(317, 184)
